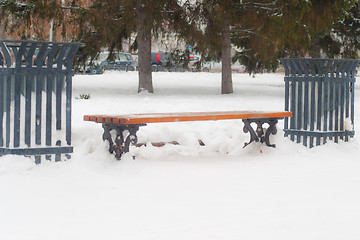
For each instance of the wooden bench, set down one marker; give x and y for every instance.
(126, 126)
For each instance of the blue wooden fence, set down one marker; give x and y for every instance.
(35, 98)
(320, 93)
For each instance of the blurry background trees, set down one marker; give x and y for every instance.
(260, 31)
(344, 38)
(286, 29)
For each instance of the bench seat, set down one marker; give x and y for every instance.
(183, 116)
(129, 124)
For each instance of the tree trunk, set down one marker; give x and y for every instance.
(226, 78)
(144, 48)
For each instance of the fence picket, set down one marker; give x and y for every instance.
(7, 108)
(33, 95)
(2, 97)
(28, 88)
(320, 93)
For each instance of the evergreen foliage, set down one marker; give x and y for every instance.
(108, 23)
(269, 30)
(261, 30)
(265, 30)
(17, 17)
(105, 24)
(344, 39)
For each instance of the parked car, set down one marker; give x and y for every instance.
(136, 61)
(118, 61)
(195, 63)
(238, 67)
(216, 66)
(162, 61)
(212, 66)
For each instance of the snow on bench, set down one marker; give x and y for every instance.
(126, 126)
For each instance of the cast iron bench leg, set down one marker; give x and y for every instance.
(260, 134)
(125, 134)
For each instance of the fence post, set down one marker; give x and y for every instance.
(35, 98)
(320, 93)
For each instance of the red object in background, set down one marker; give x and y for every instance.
(158, 57)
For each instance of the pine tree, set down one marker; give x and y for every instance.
(262, 30)
(319, 21)
(105, 24)
(233, 23)
(296, 29)
(110, 22)
(31, 19)
(151, 15)
(343, 41)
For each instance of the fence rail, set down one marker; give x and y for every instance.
(35, 98)
(320, 93)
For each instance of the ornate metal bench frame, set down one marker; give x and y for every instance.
(120, 136)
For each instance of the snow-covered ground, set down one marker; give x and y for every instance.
(217, 191)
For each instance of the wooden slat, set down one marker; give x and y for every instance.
(184, 116)
(68, 108)
(2, 96)
(293, 107)
(48, 113)
(38, 108)
(326, 104)
(287, 100)
(58, 100)
(312, 110)
(337, 105)
(306, 108)
(299, 108)
(347, 104)
(17, 90)
(319, 109)
(28, 86)
(7, 109)
(342, 106)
